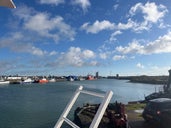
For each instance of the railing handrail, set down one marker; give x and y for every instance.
(99, 114)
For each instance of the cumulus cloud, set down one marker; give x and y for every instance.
(97, 26)
(77, 57)
(151, 11)
(83, 3)
(133, 47)
(19, 44)
(118, 57)
(113, 35)
(44, 25)
(160, 45)
(21, 47)
(139, 65)
(52, 53)
(87, 54)
(125, 26)
(115, 7)
(103, 56)
(54, 2)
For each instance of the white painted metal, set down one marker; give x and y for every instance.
(92, 93)
(99, 114)
(101, 110)
(68, 108)
(71, 123)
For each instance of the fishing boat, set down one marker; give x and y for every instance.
(2, 82)
(71, 78)
(44, 80)
(52, 80)
(90, 77)
(27, 81)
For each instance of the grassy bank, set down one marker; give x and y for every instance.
(134, 111)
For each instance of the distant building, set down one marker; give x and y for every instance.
(169, 81)
(117, 75)
(14, 78)
(97, 74)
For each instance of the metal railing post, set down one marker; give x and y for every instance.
(101, 110)
(99, 114)
(68, 108)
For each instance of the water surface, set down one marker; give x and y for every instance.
(40, 105)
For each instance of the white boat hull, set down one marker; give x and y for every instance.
(4, 82)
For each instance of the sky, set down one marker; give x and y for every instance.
(80, 37)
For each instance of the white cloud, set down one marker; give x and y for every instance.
(55, 2)
(88, 54)
(151, 11)
(151, 14)
(113, 35)
(44, 25)
(21, 47)
(118, 57)
(135, 26)
(115, 6)
(128, 25)
(98, 26)
(160, 45)
(133, 47)
(103, 56)
(139, 65)
(17, 43)
(52, 53)
(93, 63)
(83, 3)
(77, 57)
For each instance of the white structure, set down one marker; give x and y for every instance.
(100, 112)
(7, 3)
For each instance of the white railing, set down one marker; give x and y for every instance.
(99, 114)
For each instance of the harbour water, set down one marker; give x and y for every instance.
(40, 105)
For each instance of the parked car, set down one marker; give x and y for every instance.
(158, 110)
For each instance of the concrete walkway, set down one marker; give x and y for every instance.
(142, 124)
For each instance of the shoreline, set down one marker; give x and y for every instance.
(158, 80)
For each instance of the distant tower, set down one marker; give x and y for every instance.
(169, 81)
(97, 74)
(117, 76)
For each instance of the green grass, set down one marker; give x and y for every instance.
(135, 106)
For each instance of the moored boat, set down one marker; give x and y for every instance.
(52, 80)
(90, 77)
(2, 82)
(71, 78)
(44, 80)
(27, 81)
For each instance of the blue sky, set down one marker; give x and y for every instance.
(80, 37)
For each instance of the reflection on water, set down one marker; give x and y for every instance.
(39, 106)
